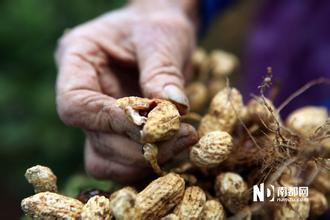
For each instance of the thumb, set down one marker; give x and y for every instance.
(162, 53)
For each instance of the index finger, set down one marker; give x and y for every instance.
(80, 101)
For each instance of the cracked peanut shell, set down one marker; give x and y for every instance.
(160, 196)
(211, 149)
(159, 119)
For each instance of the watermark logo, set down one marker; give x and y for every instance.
(279, 194)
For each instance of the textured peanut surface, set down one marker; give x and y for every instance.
(163, 122)
(48, 205)
(306, 120)
(213, 210)
(212, 149)
(294, 210)
(160, 196)
(122, 204)
(97, 208)
(42, 178)
(231, 189)
(224, 106)
(318, 202)
(192, 203)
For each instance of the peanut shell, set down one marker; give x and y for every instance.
(42, 178)
(208, 124)
(232, 190)
(197, 94)
(259, 113)
(213, 210)
(192, 204)
(160, 120)
(160, 196)
(162, 123)
(171, 216)
(321, 182)
(215, 85)
(223, 63)
(97, 208)
(225, 105)
(318, 202)
(49, 205)
(122, 204)
(211, 149)
(293, 210)
(306, 120)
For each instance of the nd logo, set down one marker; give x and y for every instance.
(260, 191)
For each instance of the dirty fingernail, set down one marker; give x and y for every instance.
(177, 96)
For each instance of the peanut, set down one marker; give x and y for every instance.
(292, 210)
(163, 122)
(199, 56)
(225, 106)
(262, 111)
(215, 85)
(171, 216)
(197, 94)
(213, 210)
(321, 182)
(212, 149)
(49, 205)
(231, 189)
(161, 119)
(223, 63)
(192, 203)
(208, 123)
(318, 202)
(160, 196)
(306, 120)
(122, 203)
(42, 178)
(97, 208)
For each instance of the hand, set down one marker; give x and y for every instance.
(132, 51)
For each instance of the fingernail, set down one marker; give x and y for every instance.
(176, 95)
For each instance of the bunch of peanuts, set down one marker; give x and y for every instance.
(215, 179)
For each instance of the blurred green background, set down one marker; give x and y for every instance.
(30, 130)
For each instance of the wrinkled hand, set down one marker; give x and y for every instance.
(126, 52)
